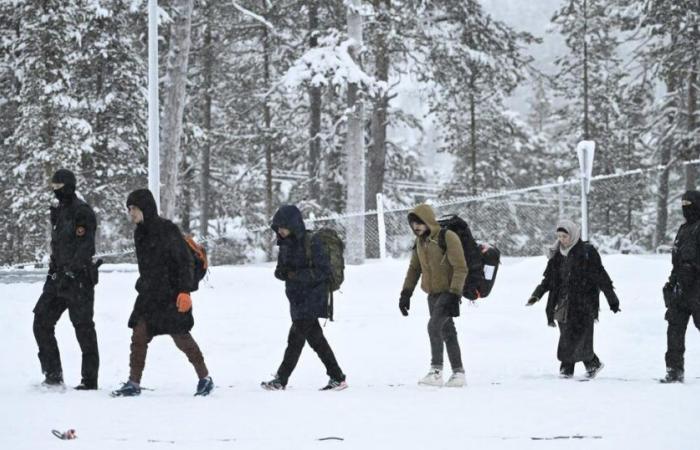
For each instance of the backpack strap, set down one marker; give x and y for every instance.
(442, 241)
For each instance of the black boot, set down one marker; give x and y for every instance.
(87, 385)
(566, 370)
(673, 376)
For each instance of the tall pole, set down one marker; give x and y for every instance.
(153, 110)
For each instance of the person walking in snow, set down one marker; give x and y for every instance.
(163, 304)
(304, 266)
(442, 275)
(682, 291)
(574, 278)
(70, 284)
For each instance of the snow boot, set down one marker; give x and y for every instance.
(128, 389)
(593, 370)
(673, 376)
(457, 379)
(274, 384)
(566, 370)
(205, 386)
(433, 378)
(334, 385)
(87, 385)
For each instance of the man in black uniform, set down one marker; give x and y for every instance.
(69, 284)
(682, 291)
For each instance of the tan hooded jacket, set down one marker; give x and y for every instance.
(440, 272)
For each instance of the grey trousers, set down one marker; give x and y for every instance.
(442, 333)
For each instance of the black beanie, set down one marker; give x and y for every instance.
(65, 177)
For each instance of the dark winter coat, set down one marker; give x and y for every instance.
(686, 251)
(581, 284)
(165, 269)
(306, 277)
(73, 228)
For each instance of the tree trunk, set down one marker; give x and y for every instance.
(355, 152)
(315, 110)
(205, 169)
(174, 105)
(691, 171)
(268, 134)
(472, 131)
(662, 195)
(376, 167)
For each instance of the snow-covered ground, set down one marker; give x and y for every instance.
(513, 393)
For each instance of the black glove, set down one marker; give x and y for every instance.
(282, 273)
(552, 324)
(532, 300)
(668, 294)
(405, 302)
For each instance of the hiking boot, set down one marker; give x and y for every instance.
(334, 385)
(673, 376)
(433, 378)
(592, 371)
(52, 379)
(457, 379)
(128, 389)
(87, 385)
(566, 370)
(205, 386)
(274, 384)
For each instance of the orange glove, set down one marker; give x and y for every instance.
(184, 302)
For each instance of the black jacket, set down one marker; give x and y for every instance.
(306, 285)
(165, 270)
(686, 250)
(586, 278)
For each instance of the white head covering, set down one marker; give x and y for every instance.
(573, 230)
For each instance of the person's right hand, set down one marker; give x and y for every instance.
(532, 300)
(405, 302)
(552, 324)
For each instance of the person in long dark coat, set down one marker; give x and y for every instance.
(574, 278)
(163, 304)
(70, 284)
(306, 278)
(682, 291)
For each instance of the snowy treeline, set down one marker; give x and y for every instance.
(250, 88)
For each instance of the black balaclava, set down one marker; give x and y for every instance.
(691, 212)
(143, 199)
(67, 192)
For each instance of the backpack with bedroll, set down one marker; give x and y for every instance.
(482, 260)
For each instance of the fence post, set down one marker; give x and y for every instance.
(381, 227)
(560, 180)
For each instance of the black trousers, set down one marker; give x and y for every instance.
(678, 315)
(48, 310)
(442, 333)
(302, 331)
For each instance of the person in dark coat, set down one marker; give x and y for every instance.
(306, 280)
(574, 278)
(163, 304)
(69, 285)
(682, 291)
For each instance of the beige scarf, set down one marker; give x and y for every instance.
(574, 232)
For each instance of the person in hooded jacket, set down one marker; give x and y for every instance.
(682, 291)
(306, 278)
(574, 278)
(163, 305)
(442, 275)
(69, 284)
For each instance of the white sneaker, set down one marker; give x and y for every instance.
(457, 379)
(434, 378)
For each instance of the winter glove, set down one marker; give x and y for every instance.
(405, 302)
(281, 273)
(184, 302)
(532, 300)
(668, 294)
(552, 324)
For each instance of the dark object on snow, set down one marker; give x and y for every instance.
(482, 259)
(66, 435)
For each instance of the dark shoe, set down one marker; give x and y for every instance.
(86, 385)
(53, 379)
(673, 376)
(205, 386)
(593, 370)
(335, 385)
(274, 384)
(128, 389)
(566, 370)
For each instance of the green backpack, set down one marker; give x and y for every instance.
(334, 247)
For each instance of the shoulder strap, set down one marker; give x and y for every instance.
(442, 241)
